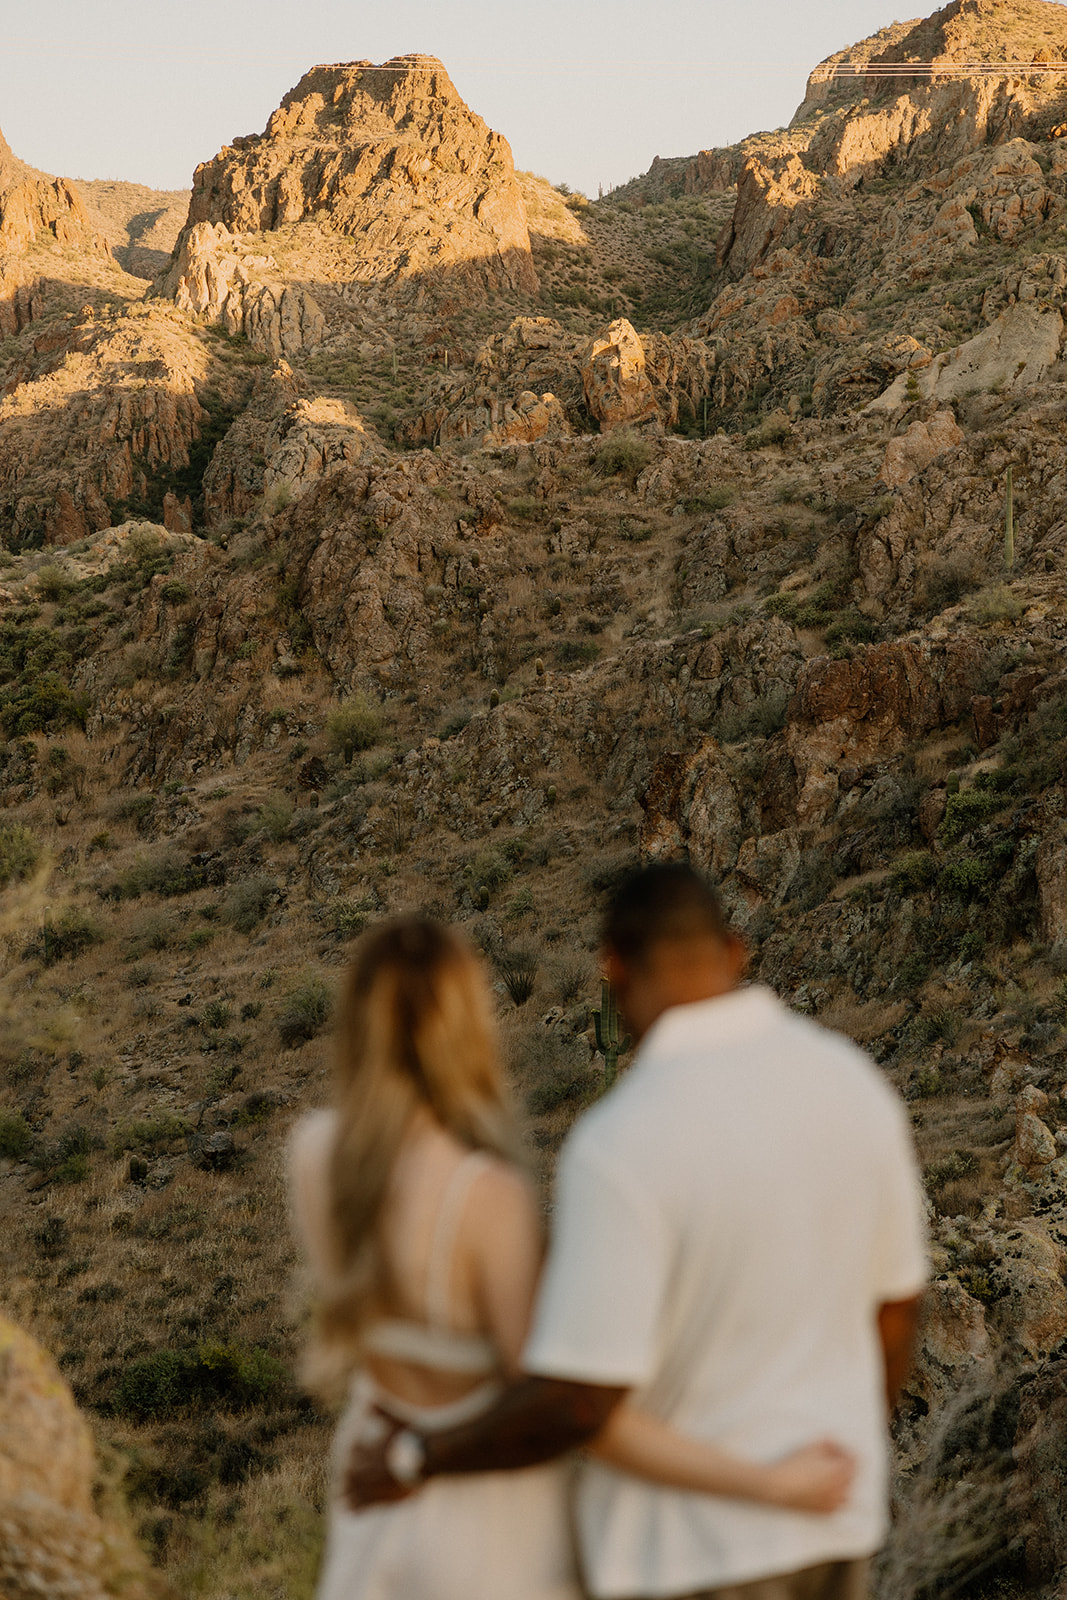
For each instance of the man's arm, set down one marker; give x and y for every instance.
(535, 1420)
(898, 1326)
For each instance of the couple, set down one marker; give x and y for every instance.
(728, 1303)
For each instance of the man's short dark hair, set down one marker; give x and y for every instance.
(670, 900)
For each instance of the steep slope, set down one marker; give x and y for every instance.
(143, 224)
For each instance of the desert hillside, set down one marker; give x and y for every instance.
(381, 527)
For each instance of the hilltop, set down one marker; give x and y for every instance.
(423, 535)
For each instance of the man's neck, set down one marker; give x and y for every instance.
(677, 973)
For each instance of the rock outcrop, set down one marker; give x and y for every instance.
(35, 208)
(51, 1540)
(215, 276)
(388, 158)
(1013, 354)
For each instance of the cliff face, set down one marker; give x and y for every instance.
(388, 157)
(35, 210)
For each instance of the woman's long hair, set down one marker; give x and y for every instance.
(416, 1030)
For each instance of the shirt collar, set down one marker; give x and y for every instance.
(725, 1019)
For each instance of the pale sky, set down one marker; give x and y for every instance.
(586, 91)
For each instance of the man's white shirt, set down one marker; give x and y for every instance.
(728, 1221)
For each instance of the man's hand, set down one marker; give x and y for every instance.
(368, 1481)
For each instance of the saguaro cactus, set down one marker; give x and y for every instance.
(605, 1023)
(1009, 524)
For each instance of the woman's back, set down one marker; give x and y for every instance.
(459, 1250)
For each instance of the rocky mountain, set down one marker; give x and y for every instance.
(428, 536)
(368, 176)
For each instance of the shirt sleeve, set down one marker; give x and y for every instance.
(600, 1306)
(901, 1265)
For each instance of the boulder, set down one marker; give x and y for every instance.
(691, 806)
(953, 1345)
(215, 275)
(767, 199)
(1035, 1145)
(616, 383)
(52, 1543)
(859, 710)
(907, 455)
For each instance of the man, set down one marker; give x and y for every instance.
(738, 1245)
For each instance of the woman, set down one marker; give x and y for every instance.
(425, 1246)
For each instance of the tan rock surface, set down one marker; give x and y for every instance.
(923, 442)
(391, 157)
(617, 389)
(1013, 354)
(214, 276)
(51, 1540)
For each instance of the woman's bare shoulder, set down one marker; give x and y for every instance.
(310, 1139)
(504, 1193)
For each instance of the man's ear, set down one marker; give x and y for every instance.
(614, 967)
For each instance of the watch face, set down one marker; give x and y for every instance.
(405, 1457)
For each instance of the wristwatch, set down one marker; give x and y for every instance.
(405, 1458)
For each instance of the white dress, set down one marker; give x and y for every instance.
(474, 1536)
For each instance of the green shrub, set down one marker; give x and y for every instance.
(960, 1164)
(997, 604)
(32, 707)
(345, 918)
(914, 872)
(216, 1014)
(151, 933)
(940, 1025)
(623, 453)
(276, 817)
(53, 583)
(71, 933)
(775, 430)
(140, 809)
(576, 652)
(489, 867)
(248, 903)
(166, 873)
(174, 592)
(761, 718)
(158, 1385)
(356, 725)
(710, 500)
(20, 852)
(965, 811)
(147, 1135)
(16, 1137)
(969, 878)
(304, 1011)
(850, 626)
(74, 1168)
(518, 973)
(566, 1085)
